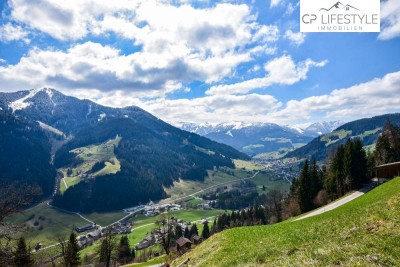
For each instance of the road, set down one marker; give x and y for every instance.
(338, 203)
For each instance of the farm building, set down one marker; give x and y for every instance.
(183, 243)
(388, 171)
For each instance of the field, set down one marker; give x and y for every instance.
(187, 187)
(44, 224)
(269, 182)
(90, 155)
(363, 232)
(247, 165)
(335, 136)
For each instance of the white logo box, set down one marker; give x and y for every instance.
(340, 16)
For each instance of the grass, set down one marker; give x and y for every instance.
(90, 156)
(364, 232)
(335, 136)
(150, 262)
(186, 187)
(247, 165)
(105, 218)
(51, 224)
(269, 182)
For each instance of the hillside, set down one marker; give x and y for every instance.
(363, 232)
(25, 153)
(76, 135)
(367, 130)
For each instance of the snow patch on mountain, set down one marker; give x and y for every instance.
(22, 102)
(102, 116)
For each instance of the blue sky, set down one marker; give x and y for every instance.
(201, 61)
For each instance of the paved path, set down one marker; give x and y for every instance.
(338, 203)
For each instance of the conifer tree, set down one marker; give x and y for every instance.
(22, 256)
(72, 252)
(178, 231)
(187, 233)
(206, 231)
(124, 250)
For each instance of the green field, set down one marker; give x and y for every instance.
(186, 187)
(44, 224)
(364, 232)
(335, 136)
(269, 182)
(90, 155)
(105, 218)
(248, 165)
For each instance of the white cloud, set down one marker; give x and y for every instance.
(371, 98)
(177, 44)
(251, 107)
(295, 38)
(290, 8)
(374, 97)
(282, 70)
(390, 19)
(275, 3)
(10, 32)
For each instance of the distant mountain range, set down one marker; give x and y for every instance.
(42, 130)
(260, 138)
(367, 130)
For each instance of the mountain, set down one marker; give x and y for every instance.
(324, 127)
(138, 154)
(260, 138)
(25, 153)
(367, 130)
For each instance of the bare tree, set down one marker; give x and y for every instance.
(108, 248)
(12, 199)
(165, 226)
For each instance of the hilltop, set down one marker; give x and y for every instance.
(363, 232)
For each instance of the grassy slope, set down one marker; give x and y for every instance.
(364, 232)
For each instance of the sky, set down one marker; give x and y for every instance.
(201, 61)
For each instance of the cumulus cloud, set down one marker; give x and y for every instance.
(10, 32)
(367, 99)
(390, 19)
(95, 66)
(296, 38)
(282, 70)
(177, 44)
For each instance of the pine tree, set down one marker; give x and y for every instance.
(348, 166)
(187, 233)
(178, 231)
(304, 198)
(194, 230)
(124, 250)
(72, 252)
(22, 256)
(206, 231)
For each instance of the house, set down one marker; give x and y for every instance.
(84, 228)
(388, 171)
(196, 239)
(182, 244)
